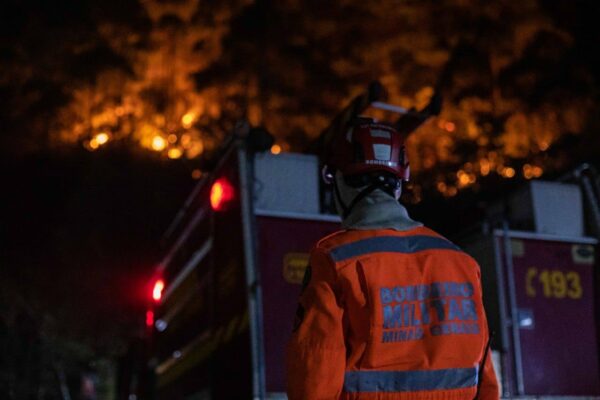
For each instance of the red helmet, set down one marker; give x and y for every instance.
(370, 147)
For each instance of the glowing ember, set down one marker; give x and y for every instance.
(195, 149)
(463, 178)
(188, 120)
(185, 141)
(275, 149)
(174, 153)
(484, 167)
(102, 138)
(196, 174)
(452, 191)
(158, 143)
(508, 172)
(532, 171)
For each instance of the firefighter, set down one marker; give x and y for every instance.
(389, 309)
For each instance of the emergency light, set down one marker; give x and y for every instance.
(149, 318)
(157, 290)
(221, 193)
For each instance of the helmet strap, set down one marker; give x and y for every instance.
(367, 191)
(387, 184)
(364, 193)
(336, 189)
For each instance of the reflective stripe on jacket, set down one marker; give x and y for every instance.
(390, 315)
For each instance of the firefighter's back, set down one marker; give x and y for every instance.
(413, 316)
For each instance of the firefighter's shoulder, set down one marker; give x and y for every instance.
(332, 240)
(346, 245)
(468, 258)
(325, 248)
(346, 237)
(342, 238)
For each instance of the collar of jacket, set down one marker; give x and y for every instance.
(376, 211)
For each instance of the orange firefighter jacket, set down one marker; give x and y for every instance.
(388, 314)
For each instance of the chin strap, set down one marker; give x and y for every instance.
(348, 209)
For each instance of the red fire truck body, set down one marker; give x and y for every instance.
(237, 255)
(540, 279)
(540, 297)
(232, 277)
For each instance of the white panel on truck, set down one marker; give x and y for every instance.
(286, 183)
(549, 208)
(557, 208)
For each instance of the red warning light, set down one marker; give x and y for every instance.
(157, 290)
(221, 193)
(149, 318)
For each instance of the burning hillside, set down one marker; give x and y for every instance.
(176, 81)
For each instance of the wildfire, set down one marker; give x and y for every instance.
(190, 85)
(160, 106)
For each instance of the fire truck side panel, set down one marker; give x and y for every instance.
(557, 332)
(546, 286)
(231, 366)
(283, 248)
(182, 339)
(203, 345)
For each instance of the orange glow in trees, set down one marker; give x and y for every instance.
(276, 149)
(221, 193)
(102, 138)
(158, 143)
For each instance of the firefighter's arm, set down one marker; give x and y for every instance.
(316, 354)
(488, 387)
(489, 384)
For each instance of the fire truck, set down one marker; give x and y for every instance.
(225, 292)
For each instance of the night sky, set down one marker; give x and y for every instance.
(81, 222)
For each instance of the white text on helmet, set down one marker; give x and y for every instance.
(381, 134)
(379, 162)
(382, 151)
